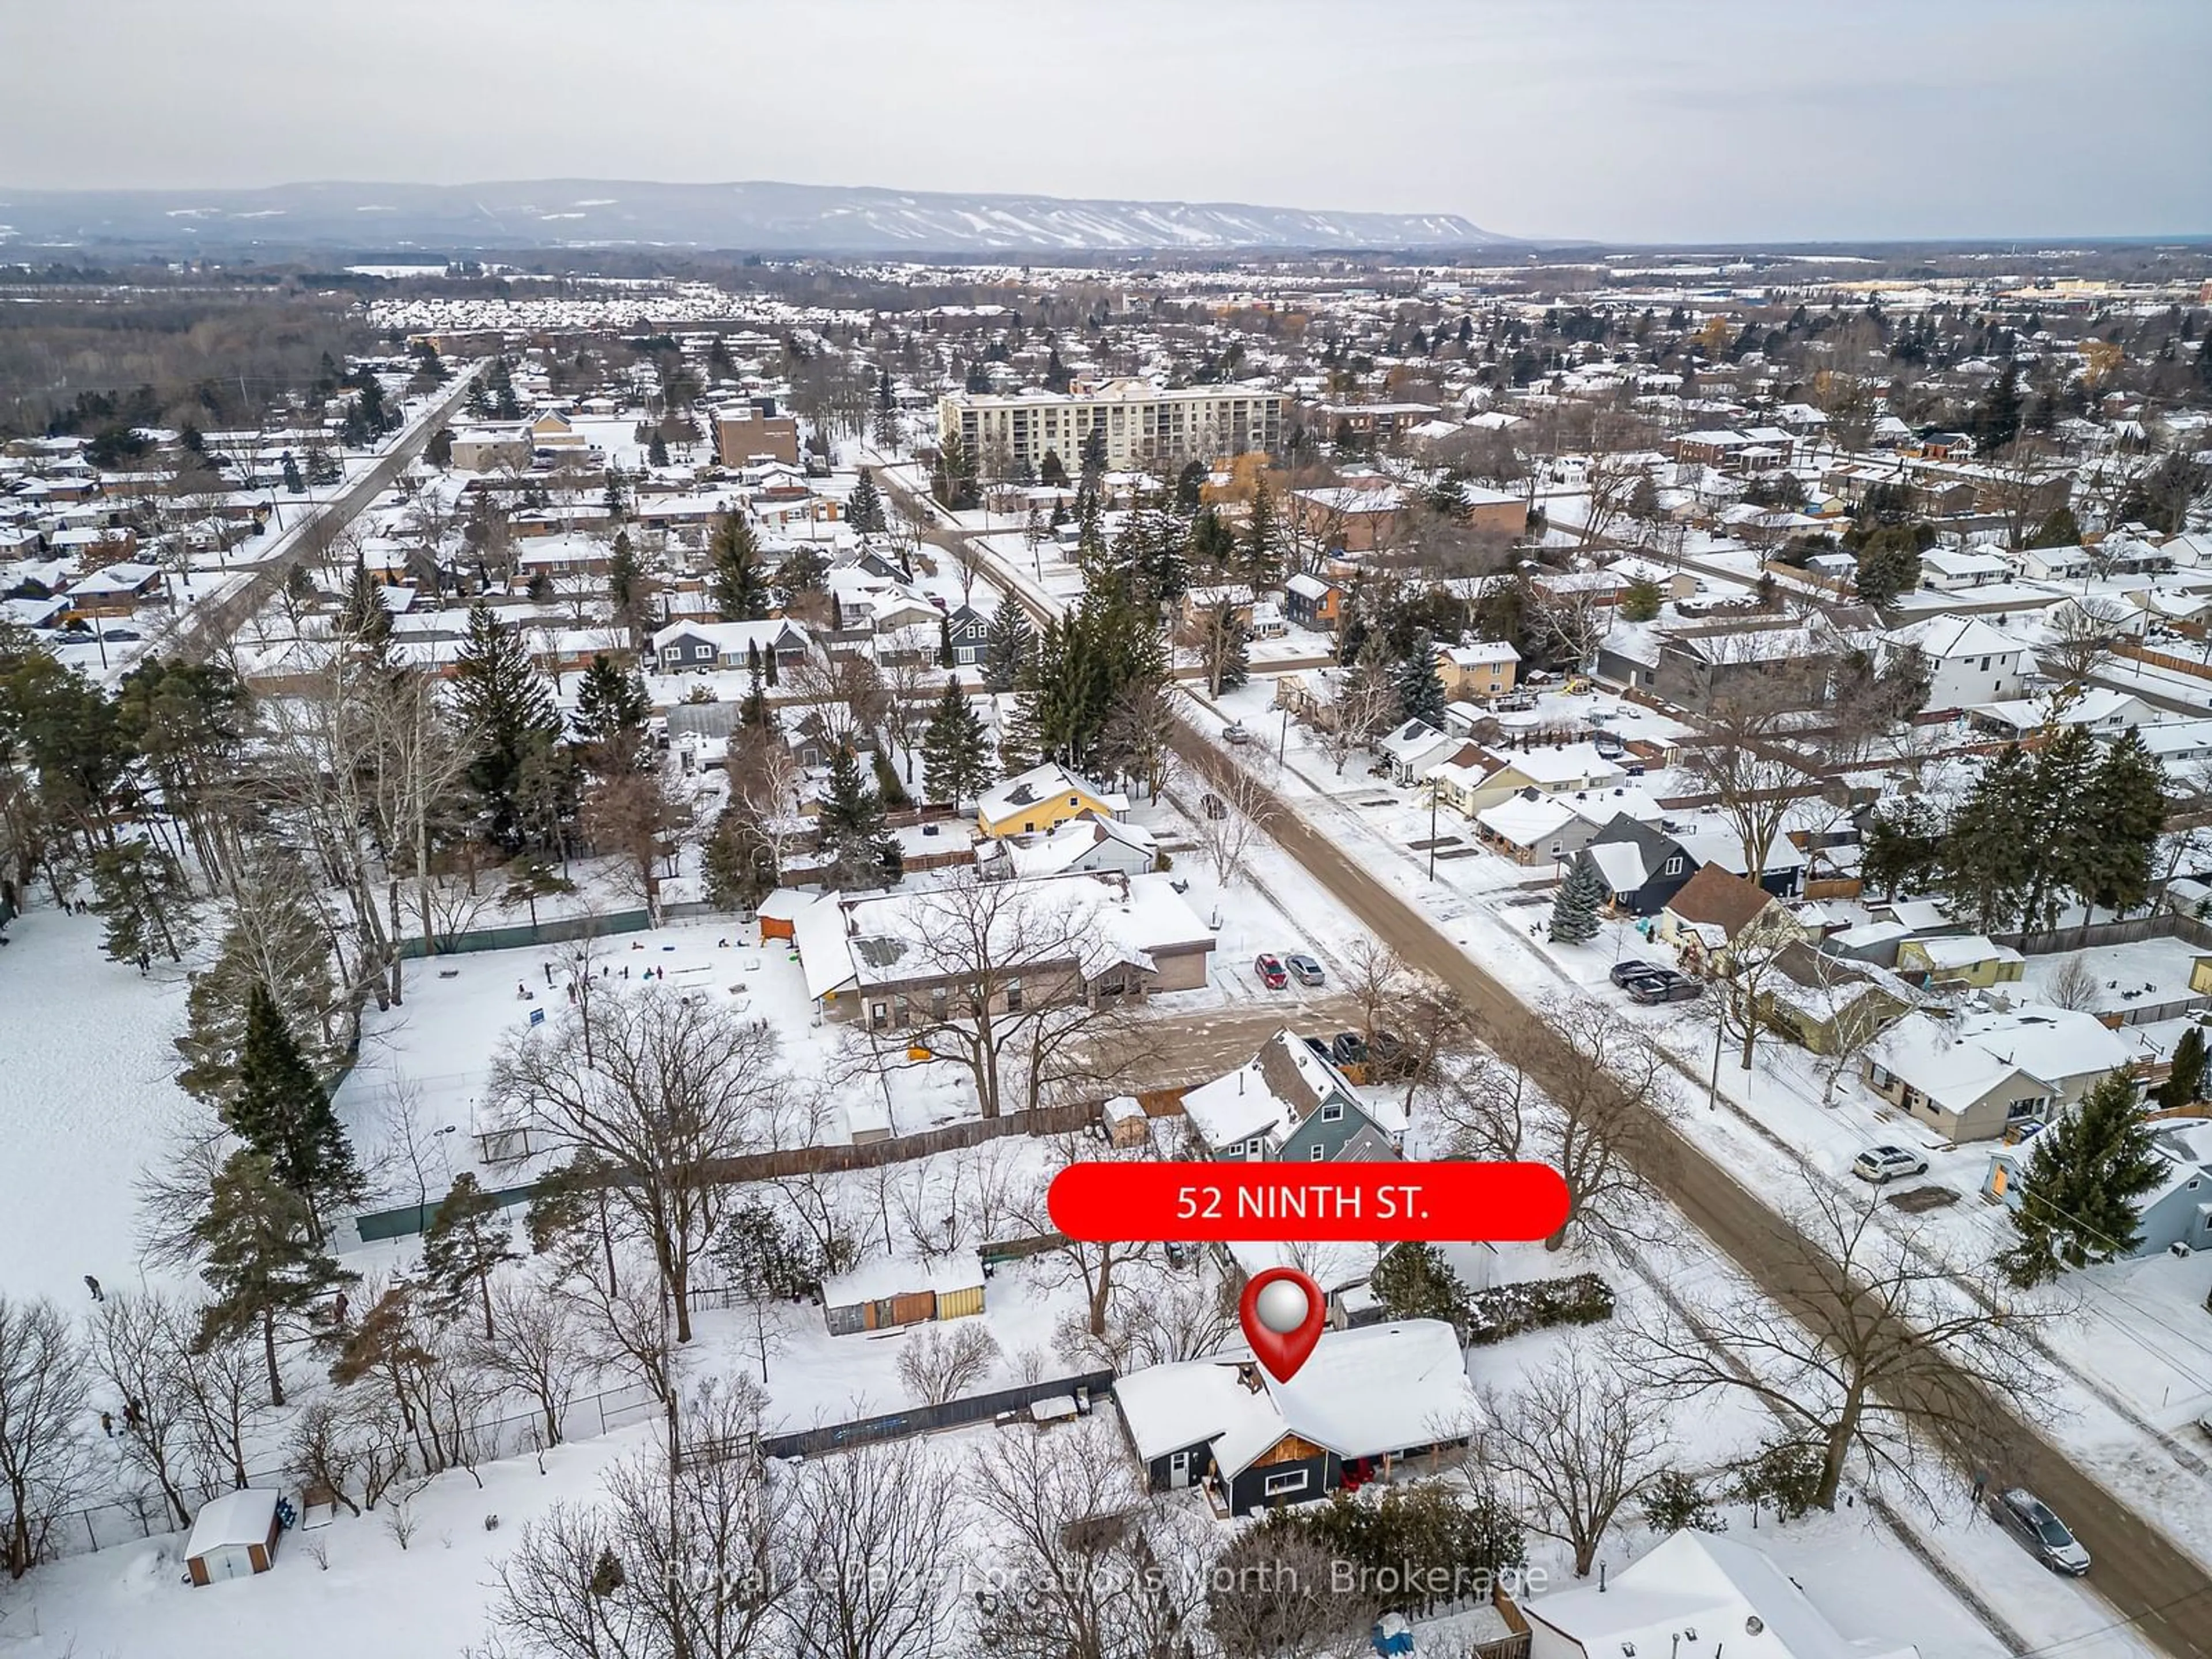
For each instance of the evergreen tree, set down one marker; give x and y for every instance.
(1576, 905)
(1224, 647)
(735, 576)
(956, 749)
(263, 1259)
(140, 892)
(2185, 1082)
(1052, 471)
(656, 450)
(467, 1239)
(1413, 1281)
(754, 712)
(439, 451)
(2125, 817)
(944, 656)
(626, 586)
(322, 469)
(1997, 418)
(861, 852)
(365, 617)
(278, 942)
(864, 508)
(281, 1111)
(1641, 600)
(508, 710)
(1420, 686)
(1008, 647)
(1189, 484)
(295, 484)
(1093, 458)
(2079, 1191)
(613, 705)
(1260, 548)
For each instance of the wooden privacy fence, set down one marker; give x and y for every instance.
(926, 1419)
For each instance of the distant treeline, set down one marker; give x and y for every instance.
(207, 359)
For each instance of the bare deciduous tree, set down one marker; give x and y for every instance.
(875, 1532)
(943, 1362)
(140, 1347)
(1872, 1355)
(45, 1464)
(1581, 1436)
(691, 1561)
(542, 1351)
(659, 1086)
(1752, 763)
(1599, 1117)
(1240, 819)
(1068, 1523)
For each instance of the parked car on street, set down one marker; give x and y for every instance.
(1624, 971)
(1304, 969)
(1663, 986)
(2029, 1519)
(1271, 971)
(1882, 1163)
(1237, 732)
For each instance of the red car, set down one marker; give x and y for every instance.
(1273, 973)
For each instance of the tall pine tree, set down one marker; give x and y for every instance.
(861, 852)
(281, 1111)
(864, 508)
(2079, 1191)
(1008, 647)
(466, 1240)
(508, 710)
(735, 576)
(262, 1259)
(1420, 687)
(956, 749)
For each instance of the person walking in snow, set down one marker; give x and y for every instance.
(107, 1425)
(93, 1284)
(144, 962)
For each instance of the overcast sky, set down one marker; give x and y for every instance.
(1657, 121)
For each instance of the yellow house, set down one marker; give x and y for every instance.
(1044, 798)
(1965, 962)
(1485, 669)
(2200, 975)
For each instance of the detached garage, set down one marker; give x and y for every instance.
(883, 1295)
(233, 1536)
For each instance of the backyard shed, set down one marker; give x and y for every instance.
(882, 1296)
(778, 911)
(233, 1536)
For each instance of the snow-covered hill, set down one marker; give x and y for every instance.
(769, 218)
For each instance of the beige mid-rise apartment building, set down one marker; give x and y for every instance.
(1144, 424)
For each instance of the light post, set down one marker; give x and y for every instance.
(1432, 829)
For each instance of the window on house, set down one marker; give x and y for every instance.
(1672, 868)
(1332, 1113)
(700, 653)
(1290, 1480)
(2026, 1107)
(1013, 996)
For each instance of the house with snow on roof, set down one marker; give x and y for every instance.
(1697, 1596)
(1313, 601)
(1487, 668)
(1365, 1401)
(1967, 661)
(1970, 1077)
(1043, 797)
(1959, 962)
(1718, 915)
(2175, 1214)
(1642, 865)
(1288, 1103)
(704, 646)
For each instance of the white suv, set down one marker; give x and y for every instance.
(1882, 1163)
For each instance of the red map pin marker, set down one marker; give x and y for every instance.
(1283, 1312)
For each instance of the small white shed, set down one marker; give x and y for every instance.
(233, 1536)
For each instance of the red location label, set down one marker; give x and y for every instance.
(1381, 1202)
(1283, 1311)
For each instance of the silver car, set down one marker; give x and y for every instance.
(2029, 1519)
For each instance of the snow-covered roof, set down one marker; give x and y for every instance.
(1964, 951)
(1523, 822)
(1480, 654)
(1571, 765)
(1955, 1062)
(1361, 1393)
(1696, 1580)
(1268, 1096)
(234, 1518)
(1040, 784)
(1308, 586)
(1621, 864)
(1946, 639)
